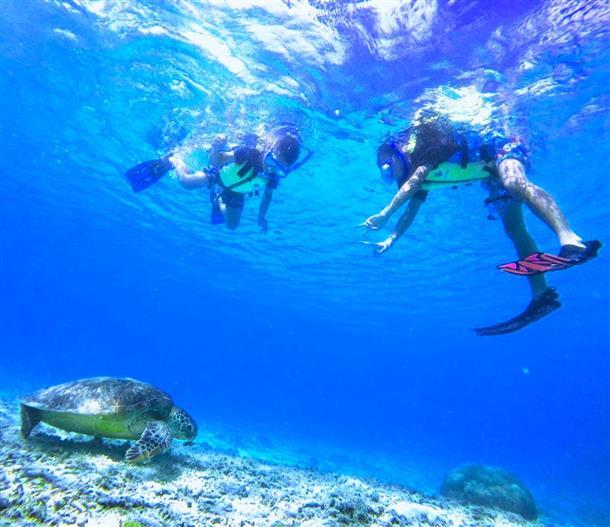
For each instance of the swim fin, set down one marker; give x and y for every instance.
(217, 217)
(538, 308)
(148, 173)
(538, 263)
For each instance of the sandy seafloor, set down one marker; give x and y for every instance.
(61, 479)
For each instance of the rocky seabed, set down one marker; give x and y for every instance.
(57, 479)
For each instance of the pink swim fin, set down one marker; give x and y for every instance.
(538, 262)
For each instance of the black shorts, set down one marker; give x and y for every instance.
(232, 199)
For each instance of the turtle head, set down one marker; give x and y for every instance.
(183, 426)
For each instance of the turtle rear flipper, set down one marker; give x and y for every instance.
(155, 440)
(29, 419)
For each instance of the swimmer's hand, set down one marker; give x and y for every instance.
(375, 222)
(219, 154)
(219, 144)
(381, 247)
(262, 223)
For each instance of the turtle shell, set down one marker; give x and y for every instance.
(102, 396)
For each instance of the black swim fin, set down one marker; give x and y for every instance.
(148, 173)
(217, 217)
(538, 308)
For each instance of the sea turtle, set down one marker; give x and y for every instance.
(111, 407)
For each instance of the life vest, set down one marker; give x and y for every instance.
(241, 178)
(450, 174)
(469, 163)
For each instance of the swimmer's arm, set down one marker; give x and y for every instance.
(408, 190)
(220, 159)
(402, 224)
(264, 206)
(409, 214)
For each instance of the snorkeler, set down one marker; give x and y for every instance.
(234, 173)
(436, 153)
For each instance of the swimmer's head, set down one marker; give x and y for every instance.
(283, 152)
(286, 150)
(392, 163)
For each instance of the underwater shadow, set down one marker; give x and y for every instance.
(165, 467)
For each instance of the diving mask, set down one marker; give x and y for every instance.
(386, 173)
(388, 168)
(274, 167)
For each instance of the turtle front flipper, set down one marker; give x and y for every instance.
(155, 440)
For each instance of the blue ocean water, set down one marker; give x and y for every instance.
(300, 339)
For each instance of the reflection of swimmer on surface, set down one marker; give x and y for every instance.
(436, 153)
(234, 173)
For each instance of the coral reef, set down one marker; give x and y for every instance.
(59, 479)
(490, 487)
